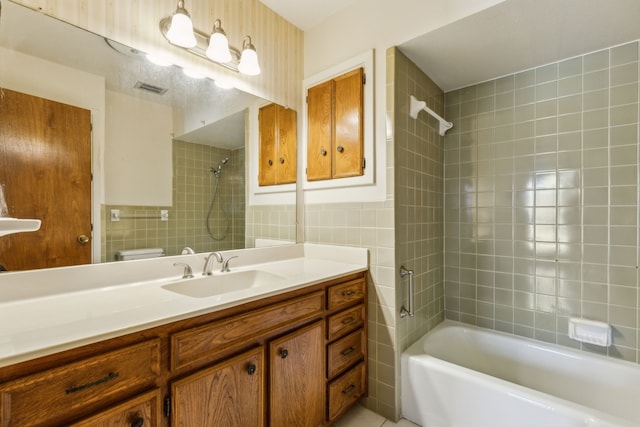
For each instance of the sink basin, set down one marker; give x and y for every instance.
(218, 284)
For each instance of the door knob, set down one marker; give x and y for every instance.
(83, 239)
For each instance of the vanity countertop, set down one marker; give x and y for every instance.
(47, 311)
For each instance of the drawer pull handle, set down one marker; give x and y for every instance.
(348, 351)
(284, 353)
(251, 369)
(270, 162)
(137, 421)
(109, 377)
(348, 293)
(349, 389)
(348, 320)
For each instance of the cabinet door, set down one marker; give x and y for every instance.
(348, 118)
(141, 411)
(297, 383)
(287, 142)
(320, 131)
(229, 394)
(267, 164)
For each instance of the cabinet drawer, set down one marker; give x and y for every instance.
(194, 344)
(59, 393)
(344, 353)
(143, 410)
(345, 293)
(346, 390)
(344, 322)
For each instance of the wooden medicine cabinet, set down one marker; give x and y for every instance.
(277, 150)
(335, 127)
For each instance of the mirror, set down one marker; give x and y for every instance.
(189, 164)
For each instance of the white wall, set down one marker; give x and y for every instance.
(378, 25)
(137, 158)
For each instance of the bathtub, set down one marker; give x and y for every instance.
(464, 376)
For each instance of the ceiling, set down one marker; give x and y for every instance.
(511, 36)
(521, 34)
(306, 14)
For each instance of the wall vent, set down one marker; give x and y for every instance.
(150, 88)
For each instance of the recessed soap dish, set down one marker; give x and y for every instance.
(590, 331)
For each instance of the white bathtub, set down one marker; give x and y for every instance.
(464, 376)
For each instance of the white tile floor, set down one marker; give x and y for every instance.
(359, 416)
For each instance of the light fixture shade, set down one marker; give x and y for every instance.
(249, 59)
(180, 31)
(218, 49)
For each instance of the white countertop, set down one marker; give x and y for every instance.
(46, 311)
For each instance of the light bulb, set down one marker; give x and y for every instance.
(218, 49)
(249, 59)
(180, 31)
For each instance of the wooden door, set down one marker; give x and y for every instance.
(348, 133)
(229, 394)
(267, 161)
(287, 142)
(319, 131)
(297, 380)
(45, 167)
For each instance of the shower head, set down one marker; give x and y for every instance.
(218, 170)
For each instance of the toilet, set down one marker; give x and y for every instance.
(129, 254)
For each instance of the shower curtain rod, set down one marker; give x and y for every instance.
(417, 106)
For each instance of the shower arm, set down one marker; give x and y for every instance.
(416, 106)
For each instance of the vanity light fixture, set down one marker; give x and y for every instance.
(214, 46)
(249, 60)
(218, 49)
(180, 30)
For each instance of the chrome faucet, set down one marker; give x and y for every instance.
(208, 269)
(225, 264)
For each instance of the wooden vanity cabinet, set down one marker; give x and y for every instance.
(293, 359)
(230, 393)
(297, 381)
(346, 345)
(141, 411)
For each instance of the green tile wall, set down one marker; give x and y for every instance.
(541, 200)
(419, 180)
(193, 188)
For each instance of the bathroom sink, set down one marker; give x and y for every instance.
(15, 225)
(222, 283)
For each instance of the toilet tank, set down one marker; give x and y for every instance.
(129, 254)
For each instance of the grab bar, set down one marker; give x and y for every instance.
(403, 311)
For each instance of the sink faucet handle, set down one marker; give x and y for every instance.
(188, 273)
(225, 264)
